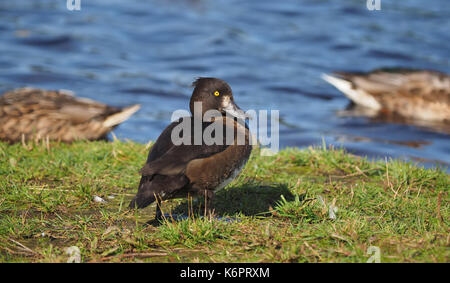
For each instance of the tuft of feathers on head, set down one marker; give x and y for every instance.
(194, 83)
(210, 83)
(199, 80)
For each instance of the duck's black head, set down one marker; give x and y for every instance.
(214, 94)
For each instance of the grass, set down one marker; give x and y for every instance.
(311, 205)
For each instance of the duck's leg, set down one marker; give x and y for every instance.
(158, 213)
(209, 196)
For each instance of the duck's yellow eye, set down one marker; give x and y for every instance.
(216, 93)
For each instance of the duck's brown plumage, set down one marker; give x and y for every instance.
(173, 171)
(417, 94)
(32, 114)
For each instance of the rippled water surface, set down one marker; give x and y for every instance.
(271, 52)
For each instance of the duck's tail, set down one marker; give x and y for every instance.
(117, 118)
(358, 96)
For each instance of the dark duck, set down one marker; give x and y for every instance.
(197, 168)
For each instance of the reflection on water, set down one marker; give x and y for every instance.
(374, 116)
(272, 53)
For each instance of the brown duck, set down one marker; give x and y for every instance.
(33, 114)
(414, 94)
(176, 170)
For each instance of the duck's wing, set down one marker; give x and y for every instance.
(54, 112)
(379, 88)
(166, 158)
(58, 104)
(164, 172)
(166, 175)
(357, 95)
(161, 186)
(422, 83)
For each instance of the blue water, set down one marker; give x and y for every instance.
(271, 52)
